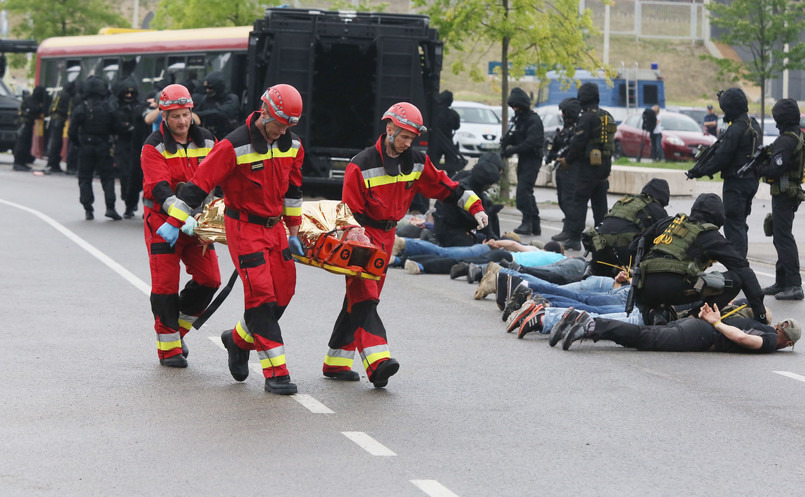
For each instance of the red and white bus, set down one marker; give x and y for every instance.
(152, 57)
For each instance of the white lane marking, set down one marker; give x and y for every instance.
(217, 341)
(793, 376)
(312, 404)
(368, 443)
(764, 274)
(433, 488)
(108, 261)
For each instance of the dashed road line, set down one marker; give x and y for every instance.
(433, 488)
(368, 443)
(793, 376)
(312, 404)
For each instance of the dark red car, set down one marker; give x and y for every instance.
(681, 136)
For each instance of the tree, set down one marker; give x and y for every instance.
(46, 18)
(171, 14)
(547, 34)
(763, 27)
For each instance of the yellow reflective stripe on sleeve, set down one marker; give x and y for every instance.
(244, 333)
(389, 180)
(292, 211)
(179, 214)
(468, 203)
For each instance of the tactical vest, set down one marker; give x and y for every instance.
(791, 182)
(669, 253)
(603, 136)
(627, 208)
(97, 124)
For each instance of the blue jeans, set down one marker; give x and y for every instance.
(414, 246)
(554, 314)
(594, 290)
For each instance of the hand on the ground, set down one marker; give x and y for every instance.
(295, 245)
(482, 219)
(169, 233)
(189, 227)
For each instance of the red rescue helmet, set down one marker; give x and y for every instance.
(284, 104)
(175, 97)
(406, 116)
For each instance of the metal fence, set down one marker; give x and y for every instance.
(661, 19)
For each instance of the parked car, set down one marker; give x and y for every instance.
(480, 128)
(770, 131)
(697, 113)
(681, 136)
(552, 122)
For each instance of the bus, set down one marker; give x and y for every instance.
(160, 58)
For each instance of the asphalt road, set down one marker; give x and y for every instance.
(87, 409)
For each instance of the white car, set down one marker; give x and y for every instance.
(480, 128)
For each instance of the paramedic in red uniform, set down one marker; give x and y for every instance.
(169, 158)
(379, 185)
(259, 168)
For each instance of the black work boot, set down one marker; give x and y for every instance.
(536, 229)
(89, 215)
(112, 214)
(560, 237)
(773, 289)
(174, 361)
(458, 269)
(790, 293)
(572, 244)
(384, 370)
(524, 228)
(343, 375)
(238, 357)
(280, 385)
(185, 350)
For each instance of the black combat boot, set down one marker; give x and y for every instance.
(384, 370)
(174, 361)
(773, 289)
(238, 357)
(790, 293)
(280, 385)
(524, 228)
(536, 229)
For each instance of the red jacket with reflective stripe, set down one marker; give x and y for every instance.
(257, 177)
(373, 189)
(166, 164)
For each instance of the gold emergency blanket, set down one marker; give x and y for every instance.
(323, 216)
(210, 227)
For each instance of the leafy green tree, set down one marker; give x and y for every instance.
(171, 14)
(547, 34)
(45, 18)
(762, 27)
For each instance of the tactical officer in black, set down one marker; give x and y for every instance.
(59, 113)
(91, 127)
(590, 158)
(444, 124)
(455, 227)
(127, 109)
(625, 221)
(570, 108)
(217, 107)
(734, 149)
(33, 107)
(525, 139)
(677, 252)
(783, 171)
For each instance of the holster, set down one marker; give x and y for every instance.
(709, 284)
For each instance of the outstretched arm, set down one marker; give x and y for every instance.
(713, 316)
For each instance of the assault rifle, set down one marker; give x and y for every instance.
(636, 275)
(703, 155)
(759, 157)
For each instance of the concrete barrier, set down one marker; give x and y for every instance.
(632, 179)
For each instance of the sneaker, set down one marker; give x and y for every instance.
(474, 273)
(517, 317)
(384, 370)
(503, 290)
(280, 385)
(560, 237)
(488, 284)
(238, 357)
(113, 215)
(458, 270)
(413, 267)
(343, 375)
(790, 293)
(572, 245)
(520, 294)
(772, 290)
(399, 245)
(174, 361)
(579, 331)
(559, 329)
(533, 322)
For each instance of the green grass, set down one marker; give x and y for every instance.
(624, 161)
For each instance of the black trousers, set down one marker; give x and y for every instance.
(527, 171)
(92, 158)
(55, 142)
(685, 335)
(565, 185)
(22, 147)
(786, 271)
(738, 194)
(675, 289)
(590, 188)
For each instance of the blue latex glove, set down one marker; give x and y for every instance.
(169, 232)
(189, 227)
(295, 245)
